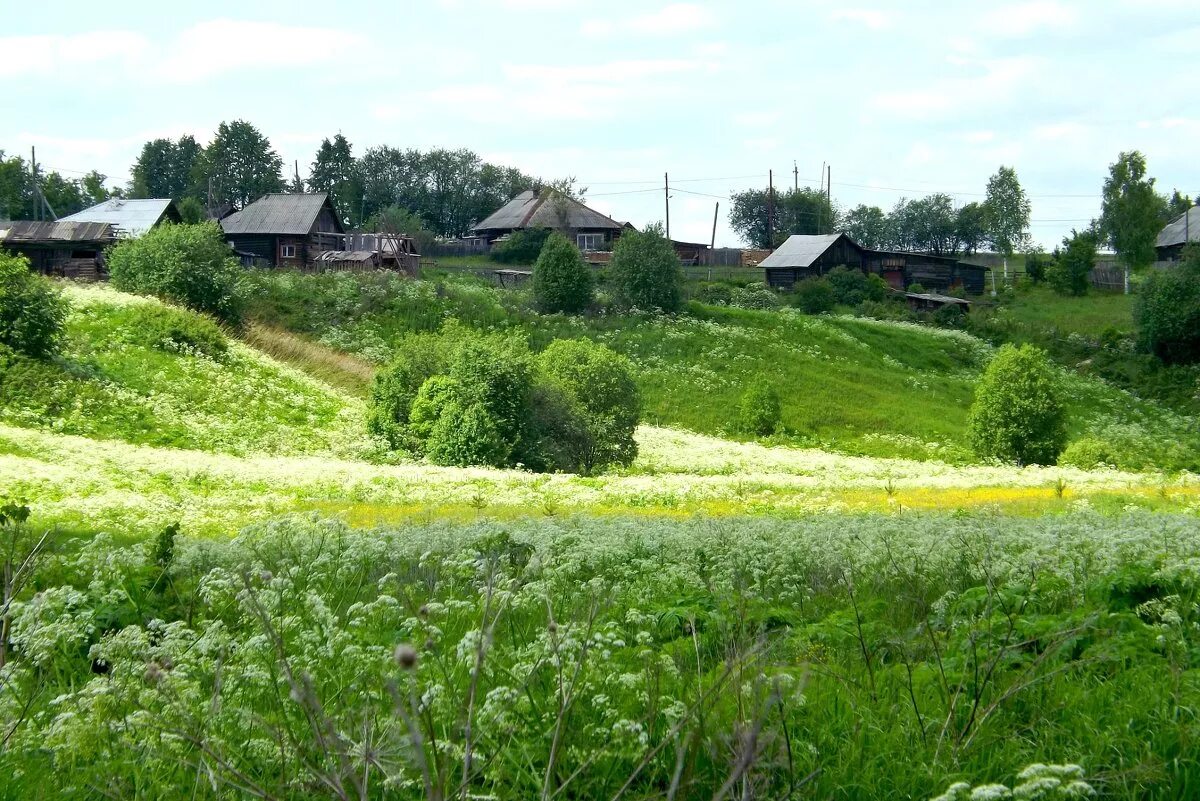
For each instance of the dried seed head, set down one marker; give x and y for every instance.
(552, 627)
(154, 673)
(405, 656)
(424, 610)
(265, 576)
(167, 663)
(430, 644)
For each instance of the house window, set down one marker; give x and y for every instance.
(590, 241)
(287, 252)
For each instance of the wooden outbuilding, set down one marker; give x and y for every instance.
(64, 249)
(129, 218)
(286, 230)
(1178, 234)
(929, 301)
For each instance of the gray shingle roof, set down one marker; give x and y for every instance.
(288, 215)
(800, 251)
(30, 231)
(531, 209)
(1184, 226)
(130, 217)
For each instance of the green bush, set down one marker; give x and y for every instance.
(593, 406)
(760, 410)
(886, 310)
(645, 271)
(32, 312)
(1036, 266)
(186, 264)
(1018, 414)
(1068, 273)
(1168, 312)
(1088, 453)
(754, 296)
(814, 296)
(395, 387)
(520, 247)
(714, 293)
(852, 286)
(562, 282)
(467, 434)
(917, 289)
(949, 316)
(175, 330)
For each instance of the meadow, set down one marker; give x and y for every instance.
(215, 583)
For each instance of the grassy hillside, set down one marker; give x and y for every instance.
(1090, 315)
(855, 385)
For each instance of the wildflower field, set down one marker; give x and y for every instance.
(216, 585)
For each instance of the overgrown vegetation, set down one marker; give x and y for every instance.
(561, 281)
(1168, 312)
(32, 312)
(1018, 414)
(645, 273)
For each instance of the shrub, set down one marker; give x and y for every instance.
(645, 271)
(713, 293)
(917, 289)
(1018, 414)
(852, 286)
(562, 282)
(592, 406)
(1088, 453)
(949, 316)
(468, 434)
(32, 311)
(520, 247)
(814, 296)
(760, 410)
(754, 296)
(1036, 265)
(395, 387)
(1168, 312)
(175, 330)
(186, 264)
(886, 310)
(1068, 273)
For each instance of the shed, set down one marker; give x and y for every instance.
(1177, 234)
(129, 217)
(67, 249)
(929, 301)
(510, 279)
(545, 208)
(804, 256)
(288, 230)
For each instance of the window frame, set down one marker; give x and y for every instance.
(287, 251)
(594, 241)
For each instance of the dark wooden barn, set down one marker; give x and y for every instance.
(65, 249)
(545, 208)
(286, 230)
(1178, 234)
(803, 257)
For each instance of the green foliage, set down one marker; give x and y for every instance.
(1132, 212)
(466, 434)
(868, 226)
(398, 220)
(1018, 414)
(971, 227)
(1037, 266)
(240, 165)
(191, 211)
(598, 407)
(949, 316)
(1167, 312)
(176, 330)
(335, 172)
(186, 264)
(928, 224)
(797, 211)
(173, 169)
(715, 293)
(814, 296)
(760, 410)
(32, 312)
(520, 247)
(394, 389)
(561, 281)
(645, 271)
(1007, 211)
(917, 289)
(1088, 453)
(1073, 263)
(754, 296)
(852, 286)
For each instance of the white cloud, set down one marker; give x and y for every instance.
(871, 18)
(979, 137)
(998, 85)
(1024, 19)
(1058, 131)
(671, 19)
(39, 54)
(224, 45)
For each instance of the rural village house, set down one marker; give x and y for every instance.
(286, 230)
(129, 217)
(545, 208)
(803, 257)
(1177, 234)
(66, 249)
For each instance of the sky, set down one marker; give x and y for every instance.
(901, 99)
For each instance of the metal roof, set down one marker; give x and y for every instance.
(936, 298)
(32, 232)
(130, 217)
(1184, 227)
(800, 250)
(288, 215)
(532, 209)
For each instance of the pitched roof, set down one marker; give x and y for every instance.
(1184, 227)
(32, 232)
(288, 215)
(533, 209)
(130, 217)
(800, 250)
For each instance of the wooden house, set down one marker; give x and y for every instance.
(545, 208)
(1181, 231)
(65, 249)
(129, 218)
(286, 230)
(803, 257)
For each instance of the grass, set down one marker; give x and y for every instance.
(1091, 314)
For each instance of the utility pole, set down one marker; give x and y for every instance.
(667, 202)
(713, 243)
(829, 184)
(37, 190)
(297, 169)
(795, 176)
(770, 207)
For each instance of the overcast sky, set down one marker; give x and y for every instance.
(902, 99)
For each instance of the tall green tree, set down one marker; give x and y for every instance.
(928, 224)
(1068, 273)
(1177, 204)
(1007, 209)
(16, 189)
(94, 189)
(63, 194)
(241, 164)
(335, 171)
(167, 168)
(645, 271)
(868, 226)
(971, 225)
(1132, 212)
(562, 282)
(796, 211)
